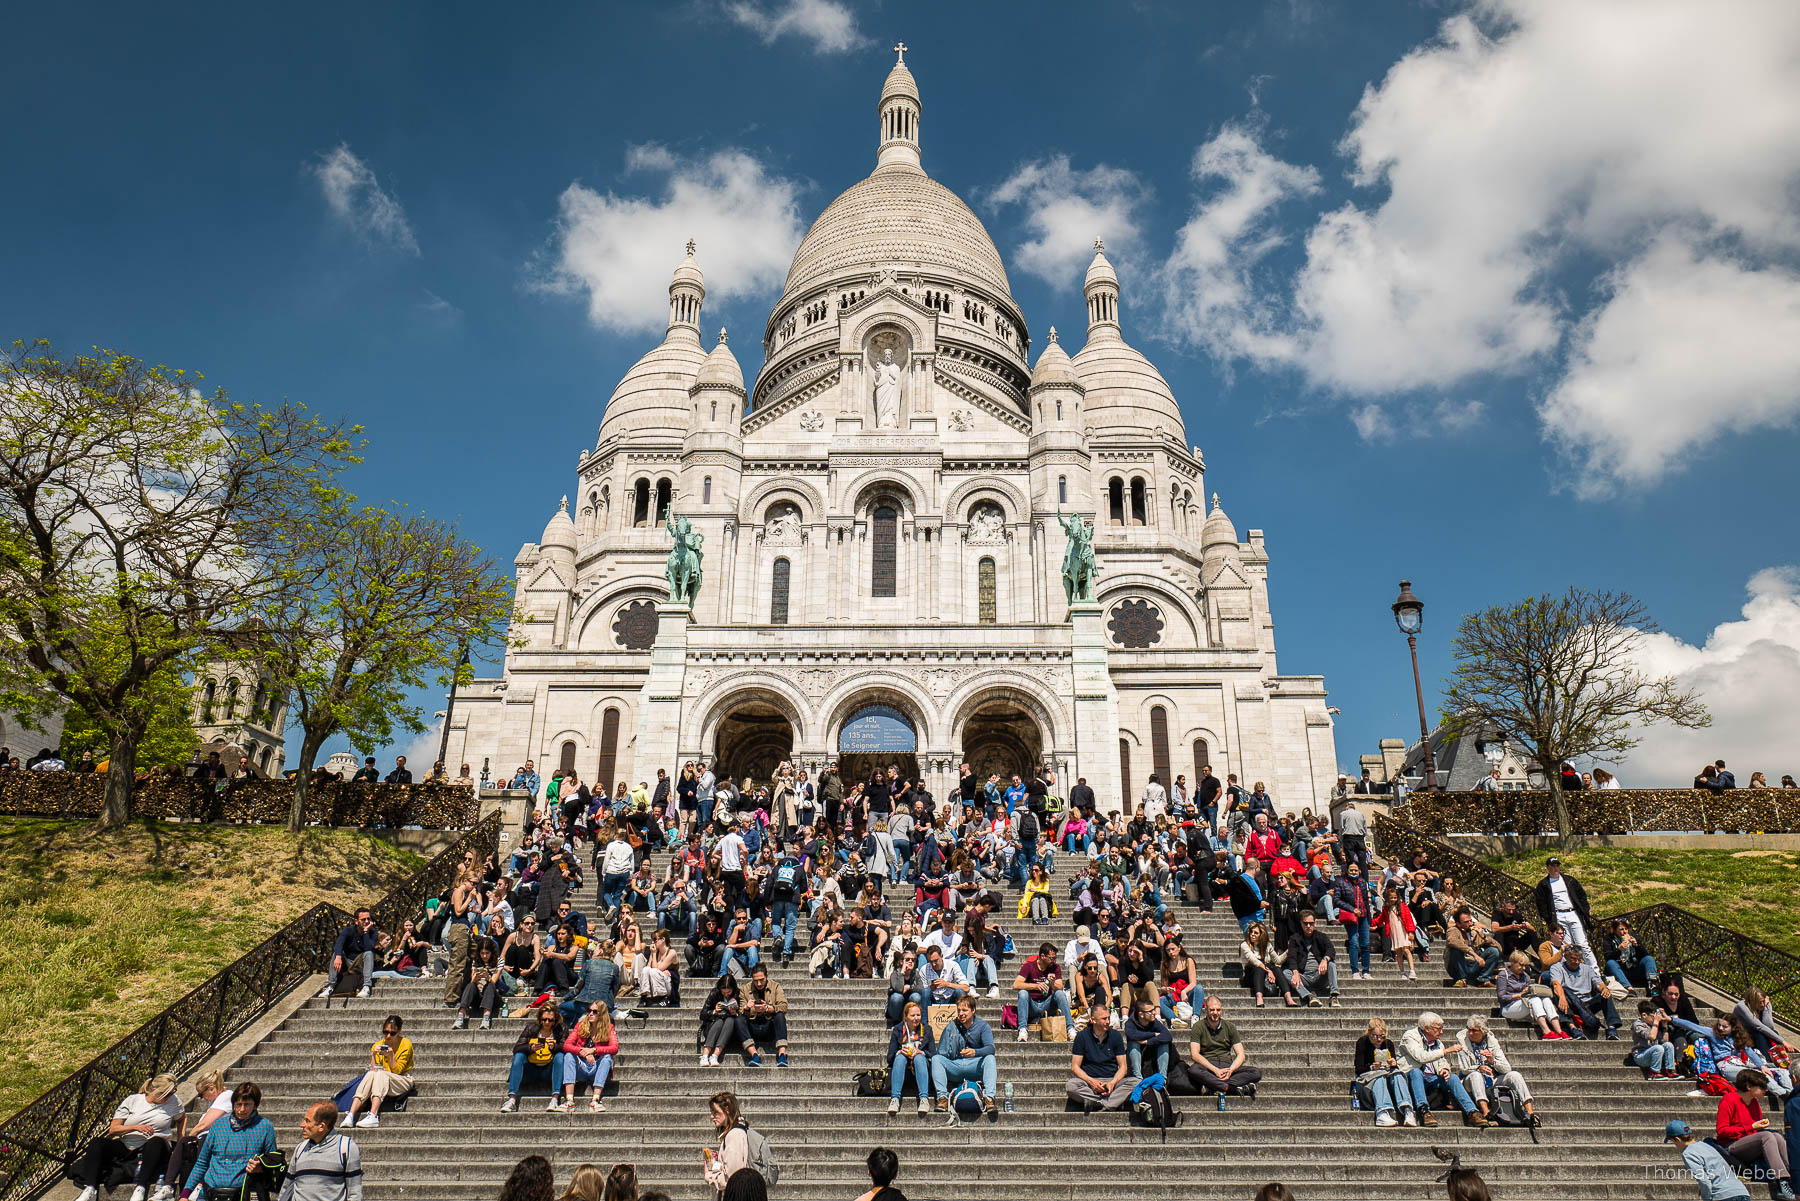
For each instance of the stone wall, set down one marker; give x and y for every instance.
(72, 794)
(1615, 811)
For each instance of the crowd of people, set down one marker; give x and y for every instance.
(879, 879)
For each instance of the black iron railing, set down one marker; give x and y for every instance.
(1681, 940)
(38, 1142)
(262, 802)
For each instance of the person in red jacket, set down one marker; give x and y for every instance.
(1264, 843)
(1745, 1132)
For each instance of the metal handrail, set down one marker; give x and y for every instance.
(38, 1142)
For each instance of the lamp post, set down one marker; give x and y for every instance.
(450, 708)
(1409, 615)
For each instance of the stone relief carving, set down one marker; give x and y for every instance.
(887, 391)
(812, 421)
(961, 420)
(694, 683)
(782, 528)
(987, 525)
(817, 681)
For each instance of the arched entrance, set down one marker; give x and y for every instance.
(873, 738)
(752, 741)
(1001, 738)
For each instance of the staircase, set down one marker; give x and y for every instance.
(1601, 1137)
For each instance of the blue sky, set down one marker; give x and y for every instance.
(1498, 299)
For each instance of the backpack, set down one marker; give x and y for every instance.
(1151, 1106)
(1508, 1109)
(761, 1157)
(787, 878)
(966, 1098)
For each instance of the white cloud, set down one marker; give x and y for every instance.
(1066, 209)
(1748, 674)
(1528, 141)
(1686, 347)
(1372, 423)
(830, 26)
(357, 200)
(620, 250)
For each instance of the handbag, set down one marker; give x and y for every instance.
(1539, 990)
(870, 1083)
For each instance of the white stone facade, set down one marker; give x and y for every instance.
(880, 514)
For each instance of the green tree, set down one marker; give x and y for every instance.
(382, 605)
(1561, 674)
(169, 739)
(139, 522)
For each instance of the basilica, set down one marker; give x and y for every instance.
(881, 520)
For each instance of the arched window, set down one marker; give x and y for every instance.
(267, 755)
(1062, 489)
(609, 750)
(640, 505)
(1201, 760)
(206, 705)
(566, 761)
(1115, 500)
(706, 491)
(884, 552)
(1159, 745)
(1125, 784)
(987, 611)
(256, 702)
(231, 699)
(778, 593)
(1137, 502)
(663, 494)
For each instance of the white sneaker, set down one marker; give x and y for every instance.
(88, 1194)
(509, 1105)
(139, 1193)
(1024, 1034)
(993, 992)
(1386, 1118)
(893, 1106)
(1412, 1119)
(924, 1105)
(363, 991)
(163, 1192)
(487, 1023)
(703, 1058)
(323, 994)
(368, 1122)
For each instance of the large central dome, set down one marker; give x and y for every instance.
(899, 217)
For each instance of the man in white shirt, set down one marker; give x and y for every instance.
(1561, 901)
(1081, 945)
(732, 853)
(943, 981)
(945, 937)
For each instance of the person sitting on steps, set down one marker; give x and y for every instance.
(1216, 1059)
(1381, 1069)
(1147, 1038)
(1039, 989)
(537, 1053)
(229, 1163)
(722, 1022)
(144, 1129)
(389, 1076)
(965, 1051)
(1745, 1131)
(486, 989)
(1523, 998)
(765, 1016)
(903, 985)
(356, 944)
(1483, 1062)
(587, 1057)
(910, 1048)
(1310, 964)
(1432, 1060)
(1471, 955)
(1099, 1069)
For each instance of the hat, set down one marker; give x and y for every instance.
(1081, 932)
(1677, 1129)
(1553, 861)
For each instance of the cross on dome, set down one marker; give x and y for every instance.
(1215, 501)
(1099, 245)
(1052, 335)
(562, 508)
(900, 50)
(721, 335)
(690, 248)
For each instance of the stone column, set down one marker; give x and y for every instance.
(659, 701)
(1096, 706)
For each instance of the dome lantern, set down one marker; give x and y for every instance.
(1101, 287)
(687, 293)
(899, 109)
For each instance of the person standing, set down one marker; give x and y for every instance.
(1155, 798)
(1561, 901)
(831, 794)
(1353, 836)
(706, 794)
(327, 1165)
(401, 773)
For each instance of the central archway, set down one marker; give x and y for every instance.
(874, 737)
(1001, 738)
(752, 741)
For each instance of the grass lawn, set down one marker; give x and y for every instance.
(1751, 891)
(97, 935)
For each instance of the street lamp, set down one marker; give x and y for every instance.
(1409, 615)
(462, 661)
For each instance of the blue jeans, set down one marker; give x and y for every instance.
(968, 964)
(612, 888)
(1389, 1094)
(748, 957)
(578, 1071)
(1467, 967)
(1195, 996)
(1657, 1057)
(782, 917)
(980, 1067)
(1639, 974)
(896, 1005)
(1134, 1059)
(1030, 1010)
(1423, 1086)
(1326, 908)
(1356, 940)
(523, 1071)
(1249, 920)
(921, 1073)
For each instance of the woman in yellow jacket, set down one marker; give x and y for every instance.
(389, 1074)
(1036, 902)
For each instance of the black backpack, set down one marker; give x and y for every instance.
(1508, 1109)
(1154, 1110)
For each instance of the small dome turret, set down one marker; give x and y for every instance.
(1054, 368)
(1218, 532)
(721, 370)
(899, 108)
(559, 531)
